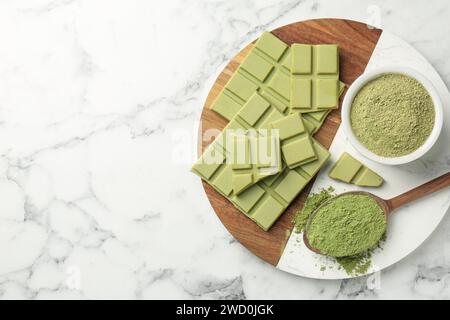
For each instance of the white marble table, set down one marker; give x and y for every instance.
(99, 103)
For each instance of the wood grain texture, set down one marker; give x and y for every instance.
(356, 43)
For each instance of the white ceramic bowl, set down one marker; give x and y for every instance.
(370, 75)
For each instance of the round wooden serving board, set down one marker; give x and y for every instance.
(356, 43)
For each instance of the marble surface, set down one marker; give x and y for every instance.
(99, 109)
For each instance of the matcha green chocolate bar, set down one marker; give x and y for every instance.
(350, 170)
(254, 157)
(266, 200)
(265, 70)
(296, 143)
(314, 77)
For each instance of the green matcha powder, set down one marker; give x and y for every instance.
(392, 115)
(352, 264)
(347, 225)
(313, 201)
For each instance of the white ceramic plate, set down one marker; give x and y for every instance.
(409, 226)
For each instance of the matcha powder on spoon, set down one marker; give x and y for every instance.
(347, 225)
(392, 115)
(353, 265)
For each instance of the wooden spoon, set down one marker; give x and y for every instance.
(388, 205)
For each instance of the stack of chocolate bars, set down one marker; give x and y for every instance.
(275, 101)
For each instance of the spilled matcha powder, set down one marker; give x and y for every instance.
(356, 265)
(392, 115)
(347, 225)
(313, 201)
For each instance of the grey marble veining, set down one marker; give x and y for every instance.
(96, 99)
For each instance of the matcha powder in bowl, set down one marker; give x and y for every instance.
(392, 115)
